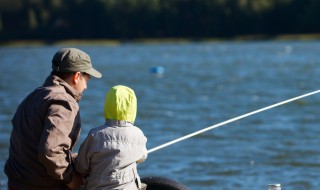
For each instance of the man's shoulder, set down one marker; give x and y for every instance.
(57, 93)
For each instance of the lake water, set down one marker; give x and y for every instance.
(203, 84)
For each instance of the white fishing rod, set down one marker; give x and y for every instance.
(231, 120)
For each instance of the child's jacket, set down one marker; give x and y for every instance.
(110, 153)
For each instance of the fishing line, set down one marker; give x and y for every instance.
(230, 120)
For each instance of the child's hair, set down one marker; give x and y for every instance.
(120, 104)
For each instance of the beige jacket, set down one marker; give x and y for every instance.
(109, 156)
(46, 126)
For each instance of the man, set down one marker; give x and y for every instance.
(46, 126)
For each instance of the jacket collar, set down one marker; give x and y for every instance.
(119, 123)
(53, 80)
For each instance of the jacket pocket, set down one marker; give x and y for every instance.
(122, 176)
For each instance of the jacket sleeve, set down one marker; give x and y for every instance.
(144, 149)
(144, 157)
(82, 161)
(56, 143)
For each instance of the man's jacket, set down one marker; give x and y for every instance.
(46, 126)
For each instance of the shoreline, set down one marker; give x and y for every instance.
(114, 42)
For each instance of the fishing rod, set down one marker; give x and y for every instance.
(230, 120)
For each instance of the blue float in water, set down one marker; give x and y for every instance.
(157, 70)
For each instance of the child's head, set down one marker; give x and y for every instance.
(120, 104)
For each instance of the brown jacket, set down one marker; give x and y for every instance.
(46, 126)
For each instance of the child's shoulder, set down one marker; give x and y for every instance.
(97, 129)
(137, 129)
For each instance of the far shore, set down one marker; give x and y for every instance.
(112, 42)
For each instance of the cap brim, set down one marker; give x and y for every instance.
(94, 73)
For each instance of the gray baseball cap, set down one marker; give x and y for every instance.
(69, 60)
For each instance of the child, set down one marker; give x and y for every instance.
(109, 155)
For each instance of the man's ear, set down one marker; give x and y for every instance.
(76, 77)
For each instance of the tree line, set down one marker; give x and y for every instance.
(52, 20)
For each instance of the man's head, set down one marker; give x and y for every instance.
(71, 60)
(75, 66)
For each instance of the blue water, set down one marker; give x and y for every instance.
(203, 84)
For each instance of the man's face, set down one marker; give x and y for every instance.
(81, 81)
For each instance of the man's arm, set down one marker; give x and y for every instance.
(55, 143)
